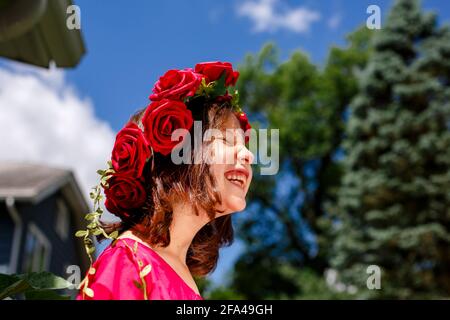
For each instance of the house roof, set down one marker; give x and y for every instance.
(36, 33)
(34, 182)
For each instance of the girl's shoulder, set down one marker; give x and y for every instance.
(119, 273)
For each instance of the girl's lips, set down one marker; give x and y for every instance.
(239, 170)
(238, 177)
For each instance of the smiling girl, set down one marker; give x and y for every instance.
(174, 217)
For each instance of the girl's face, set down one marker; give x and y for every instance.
(231, 166)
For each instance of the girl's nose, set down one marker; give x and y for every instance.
(244, 155)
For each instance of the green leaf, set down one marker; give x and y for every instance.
(91, 250)
(81, 233)
(97, 232)
(45, 280)
(109, 172)
(114, 234)
(7, 279)
(147, 269)
(137, 284)
(92, 225)
(11, 285)
(90, 216)
(89, 292)
(16, 288)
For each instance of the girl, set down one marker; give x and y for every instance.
(174, 216)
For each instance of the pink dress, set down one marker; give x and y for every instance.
(130, 270)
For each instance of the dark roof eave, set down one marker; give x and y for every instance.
(49, 40)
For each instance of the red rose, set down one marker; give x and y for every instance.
(130, 151)
(161, 119)
(245, 125)
(124, 193)
(213, 71)
(176, 85)
(225, 98)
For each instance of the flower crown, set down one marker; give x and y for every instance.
(135, 145)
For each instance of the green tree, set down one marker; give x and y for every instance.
(287, 223)
(394, 205)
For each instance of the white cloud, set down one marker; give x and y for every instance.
(335, 21)
(271, 15)
(43, 120)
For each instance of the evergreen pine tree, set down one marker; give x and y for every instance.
(394, 202)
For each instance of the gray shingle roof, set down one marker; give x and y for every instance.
(25, 181)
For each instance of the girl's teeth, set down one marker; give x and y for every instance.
(238, 180)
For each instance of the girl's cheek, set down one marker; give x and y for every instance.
(219, 153)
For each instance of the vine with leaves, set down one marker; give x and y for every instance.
(94, 227)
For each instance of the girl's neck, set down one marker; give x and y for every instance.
(185, 225)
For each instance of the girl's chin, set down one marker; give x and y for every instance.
(236, 205)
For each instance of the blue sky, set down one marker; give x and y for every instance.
(131, 43)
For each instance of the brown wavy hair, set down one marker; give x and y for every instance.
(193, 183)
